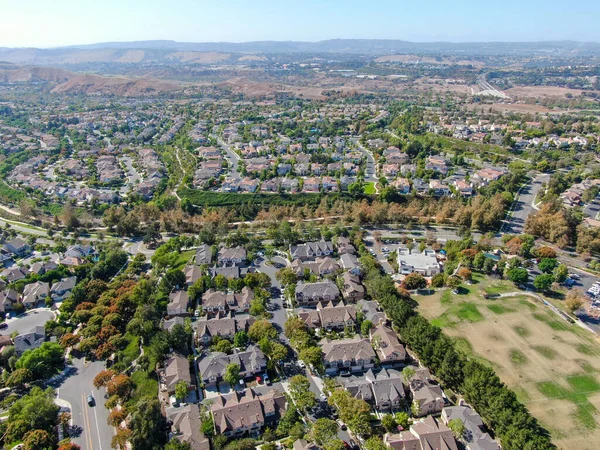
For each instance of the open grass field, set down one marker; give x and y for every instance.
(553, 366)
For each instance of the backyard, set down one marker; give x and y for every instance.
(551, 365)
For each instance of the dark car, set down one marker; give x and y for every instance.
(3, 325)
(90, 400)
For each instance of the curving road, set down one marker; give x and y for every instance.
(523, 205)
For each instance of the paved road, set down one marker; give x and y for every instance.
(95, 433)
(132, 175)
(524, 205)
(592, 208)
(26, 323)
(232, 158)
(275, 307)
(370, 174)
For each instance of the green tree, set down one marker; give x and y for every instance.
(36, 409)
(561, 273)
(408, 372)
(286, 276)
(334, 444)
(176, 444)
(181, 390)
(414, 281)
(262, 329)
(312, 356)
(38, 440)
(240, 339)
(402, 419)
(518, 275)
(457, 427)
(304, 398)
(323, 430)
(365, 327)
(375, 443)
(389, 423)
(453, 282)
(437, 281)
(547, 265)
(543, 282)
(148, 425)
(44, 361)
(232, 374)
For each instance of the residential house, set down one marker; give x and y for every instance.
(169, 323)
(438, 188)
(475, 437)
(178, 304)
(384, 391)
(224, 326)
(464, 188)
(17, 247)
(302, 444)
(251, 361)
(320, 267)
(387, 346)
(214, 301)
(402, 185)
(185, 426)
(330, 317)
(229, 272)
(14, 273)
(352, 290)
(34, 293)
(350, 264)
(344, 245)
(40, 268)
(176, 369)
(8, 298)
(29, 341)
(204, 255)
(424, 263)
(372, 311)
(192, 274)
(311, 250)
(425, 434)
(247, 413)
(354, 354)
(62, 289)
(79, 251)
(311, 185)
(426, 392)
(232, 256)
(310, 294)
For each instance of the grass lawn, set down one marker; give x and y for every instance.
(145, 385)
(370, 188)
(551, 365)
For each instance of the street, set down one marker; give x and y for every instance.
(232, 159)
(370, 174)
(28, 321)
(523, 206)
(91, 421)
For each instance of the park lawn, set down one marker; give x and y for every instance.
(369, 188)
(552, 365)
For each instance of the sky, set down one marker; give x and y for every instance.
(52, 23)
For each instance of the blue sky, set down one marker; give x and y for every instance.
(47, 23)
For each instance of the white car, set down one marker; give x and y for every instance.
(301, 364)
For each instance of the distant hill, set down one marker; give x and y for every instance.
(64, 81)
(211, 52)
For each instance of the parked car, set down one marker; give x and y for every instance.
(341, 424)
(3, 325)
(90, 400)
(301, 364)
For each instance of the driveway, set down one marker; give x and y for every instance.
(28, 321)
(91, 421)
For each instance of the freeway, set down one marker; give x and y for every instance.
(96, 433)
(523, 205)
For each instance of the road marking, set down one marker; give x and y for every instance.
(97, 427)
(86, 419)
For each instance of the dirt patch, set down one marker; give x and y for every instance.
(252, 58)
(95, 84)
(413, 59)
(542, 91)
(132, 56)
